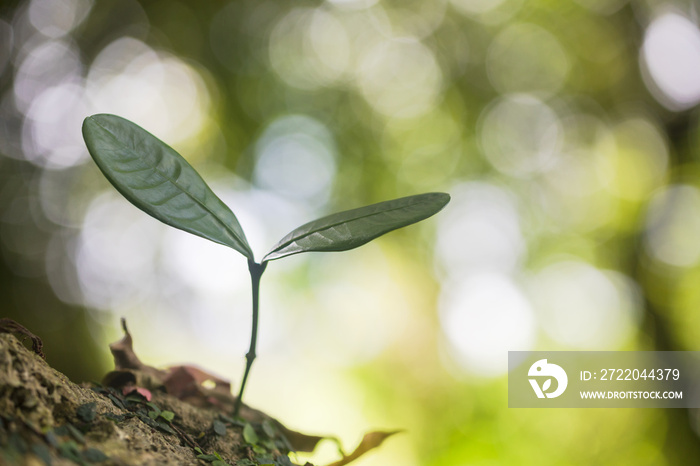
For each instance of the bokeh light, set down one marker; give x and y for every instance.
(520, 135)
(161, 92)
(57, 18)
(671, 56)
(400, 78)
(488, 11)
(409, 146)
(633, 159)
(310, 48)
(484, 316)
(525, 58)
(45, 64)
(673, 224)
(480, 230)
(584, 308)
(565, 132)
(296, 159)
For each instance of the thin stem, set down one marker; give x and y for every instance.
(256, 271)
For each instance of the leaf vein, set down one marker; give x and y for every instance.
(159, 157)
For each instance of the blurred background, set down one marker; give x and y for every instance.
(566, 133)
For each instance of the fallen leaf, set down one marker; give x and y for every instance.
(189, 383)
(126, 359)
(12, 327)
(297, 440)
(370, 441)
(144, 392)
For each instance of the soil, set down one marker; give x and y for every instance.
(138, 415)
(47, 419)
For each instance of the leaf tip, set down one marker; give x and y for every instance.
(443, 198)
(86, 123)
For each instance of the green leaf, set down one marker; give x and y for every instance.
(245, 462)
(249, 434)
(219, 427)
(167, 415)
(70, 450)
(157, 180)
(353, 228)
(269, 429)
(153, 406)
(42, 451)
(87, 412)
(93, 455)
(75, 433)
(166, 428)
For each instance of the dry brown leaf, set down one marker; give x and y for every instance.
(12, 327)
(369, 441)
(126, 360)
(144, 392)
(299, 441)
(186, 381)
(189, 383)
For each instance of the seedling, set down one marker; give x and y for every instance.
(159, 181)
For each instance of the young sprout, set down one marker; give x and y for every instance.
(159, 181)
